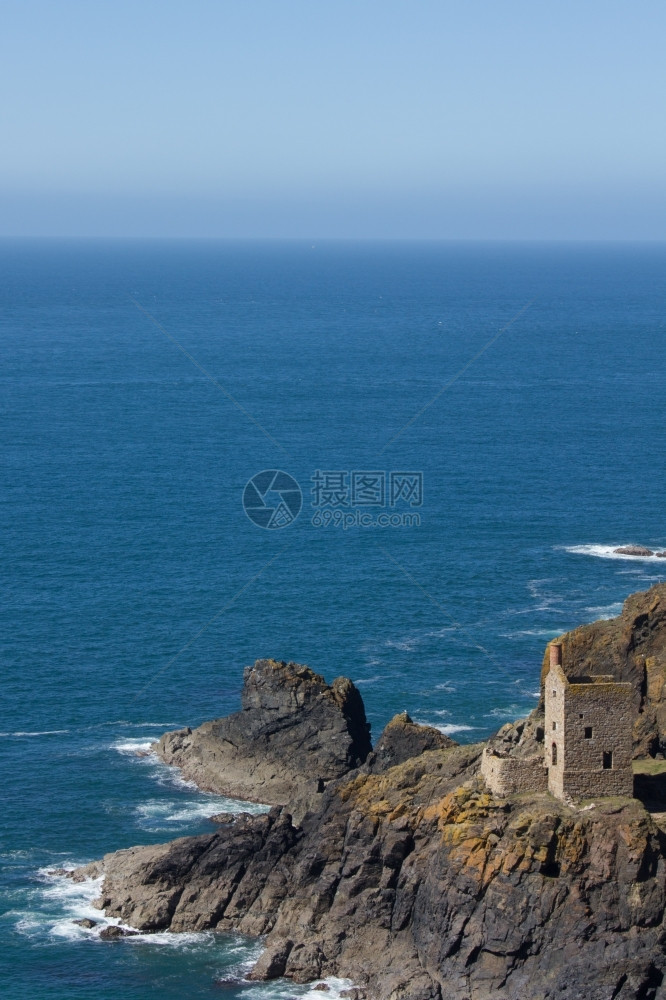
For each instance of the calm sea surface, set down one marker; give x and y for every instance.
(135, 588)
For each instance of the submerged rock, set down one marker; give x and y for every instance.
(113, 933)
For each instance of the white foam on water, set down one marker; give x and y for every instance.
(171, 776)
(188, 940)
(405, 645)
(163, 726)
(606, 611)
(283, 989)
(446, 686)
(16, 855)
(604, 552)
(539, 591)
(247, 952)
(157, 815)
(452, 727)
(277, 989)
(133, 747)
(140, 747)
(507, 712)
(368, 680)
(448, 727)
(540, 633)
(42, 732)
(57, 903)
(441, 633)
(60, 901)
(335, 987)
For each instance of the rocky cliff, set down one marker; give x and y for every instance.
(410, 878)
(631, 647)
(293, 735)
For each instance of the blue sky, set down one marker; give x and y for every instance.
(340, 118)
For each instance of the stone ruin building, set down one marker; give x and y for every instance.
(583, 749)
(588, 733)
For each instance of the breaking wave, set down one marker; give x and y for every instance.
(58, 902)
(448, 727)
(158, 815)
(606, 552)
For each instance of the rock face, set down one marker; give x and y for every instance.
(407, 874)
(293, 735)
(420, 885)
(631, 647)
(402, 739)
(633, 550)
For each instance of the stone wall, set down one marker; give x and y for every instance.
(606, 709)
(556, 685)
(591, 784)
(509, 775)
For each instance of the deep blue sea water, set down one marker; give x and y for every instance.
(127, 443)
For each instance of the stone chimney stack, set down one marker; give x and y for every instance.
(555, 654)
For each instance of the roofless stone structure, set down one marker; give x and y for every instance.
(588, 733)
(582, 750)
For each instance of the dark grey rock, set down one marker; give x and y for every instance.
(113, 933)
(414, 882)
(293, 735)
(401, 739)
(418, 885)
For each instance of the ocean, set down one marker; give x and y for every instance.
(466, 431)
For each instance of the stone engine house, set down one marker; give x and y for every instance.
(588, 733)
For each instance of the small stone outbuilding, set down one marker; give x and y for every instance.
(588, 733)
(512, 761)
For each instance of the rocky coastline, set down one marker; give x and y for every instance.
(395, 866)
(293, 735)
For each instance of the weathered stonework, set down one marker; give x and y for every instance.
(506, 774)
(588, 733)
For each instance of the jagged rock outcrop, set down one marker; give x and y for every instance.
(631, 647)
(401, 739)
(406, 874)
(293, 735)
(420, 885)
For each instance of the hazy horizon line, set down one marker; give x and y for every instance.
(116, 238)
